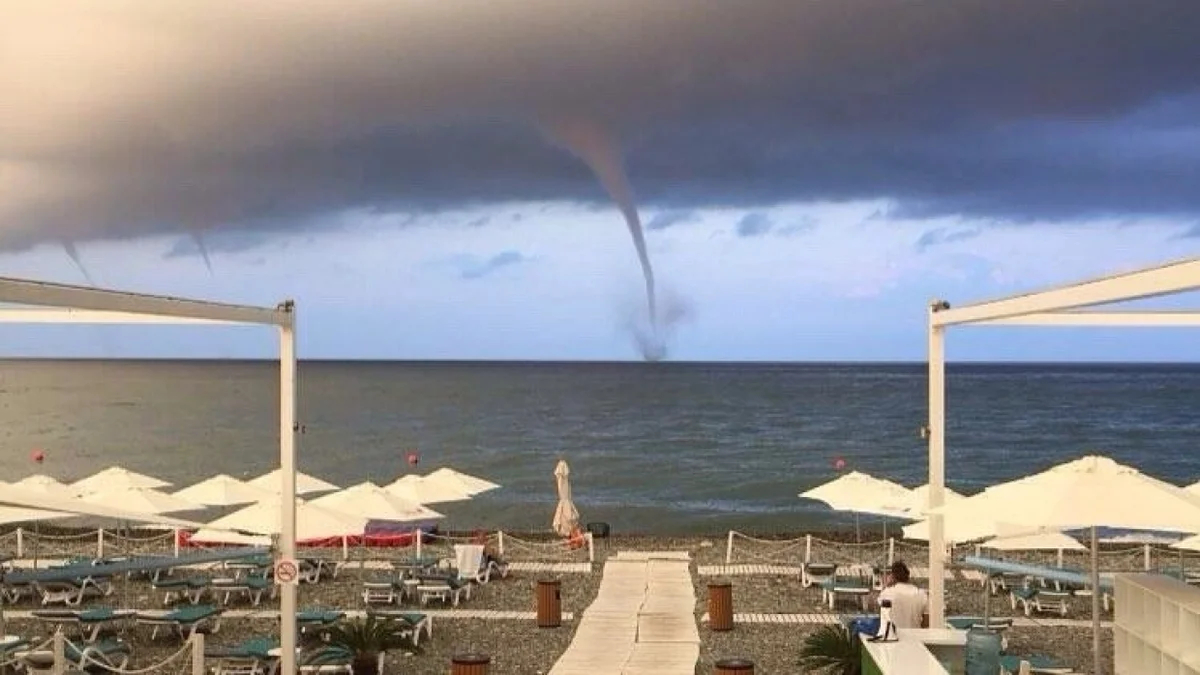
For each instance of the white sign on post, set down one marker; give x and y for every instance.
(286, 571)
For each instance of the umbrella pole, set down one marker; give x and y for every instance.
(1095, 604)
(857, 537)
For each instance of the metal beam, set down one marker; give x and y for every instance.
(44, 294)
(1129, 319)
(1171, 278)
(89, 316)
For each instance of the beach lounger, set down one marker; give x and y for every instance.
(252, 587)
(186, 621)
(191, 589)
(72, 592)
(856, 588)
(1038, 664)
(88, 622)
(252, 657)
(380, 593)
(407, 624)
(1041, 601)
(318, 620)
(1006, 582)
(106, 656)
(446, 590)
(817, 573)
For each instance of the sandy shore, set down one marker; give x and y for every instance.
(519, 647)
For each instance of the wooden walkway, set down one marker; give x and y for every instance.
(559, 567)
(642, 621)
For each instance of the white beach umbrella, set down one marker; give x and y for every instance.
(16, 496)
(43, 484)
(209, 536)
(918, 500)
(858, 492)
(862, 493)
(422, 490)
(312, 522)
(371, 501)
(16, 514)
(305, 484)
(1189, 544)
(470, 485)
(1089, 492)
(1037, 541)
(223, 490)
(116, 478)
(141, 500)
(566, 516)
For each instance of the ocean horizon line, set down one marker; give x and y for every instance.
(600, 362)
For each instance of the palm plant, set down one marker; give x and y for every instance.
(832, 650)
(364, 641)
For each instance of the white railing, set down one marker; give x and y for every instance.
(744, 548)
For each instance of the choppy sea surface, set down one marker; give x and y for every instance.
(657, 448)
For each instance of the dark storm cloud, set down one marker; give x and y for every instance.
(477, 269)
(128, 118)
(942, 235)
(753, 225)
(662, 221)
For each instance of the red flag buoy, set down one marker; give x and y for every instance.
(413, 458)
(839, 463)
(37, 455)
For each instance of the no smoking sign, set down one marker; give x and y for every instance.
(286, 571)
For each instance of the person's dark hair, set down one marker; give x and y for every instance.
(900, 572)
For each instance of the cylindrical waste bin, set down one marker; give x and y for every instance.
(983, 651)
(720, 606)
(470, 664)
(549, 603)
(738, 666)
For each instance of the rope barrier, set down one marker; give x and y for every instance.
(86, 660)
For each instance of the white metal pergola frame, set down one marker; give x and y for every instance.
(1060, 306)
(49, 303)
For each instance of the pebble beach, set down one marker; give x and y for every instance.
(517, 646)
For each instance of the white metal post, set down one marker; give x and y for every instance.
(936, 432)
(729, 548)
(287, 464)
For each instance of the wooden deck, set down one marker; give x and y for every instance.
(642, 621)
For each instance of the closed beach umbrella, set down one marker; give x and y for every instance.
(469, 484)
(423, 490)
(312, 522)
(272, 482)
(117, 478)
(223, 490)
(141, 500)
(566, 516)
(1089, 492)
(371, 501)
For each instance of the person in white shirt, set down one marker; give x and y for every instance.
(910, 605)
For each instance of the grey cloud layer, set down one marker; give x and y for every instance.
(127, 117)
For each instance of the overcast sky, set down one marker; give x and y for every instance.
(809, 174)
